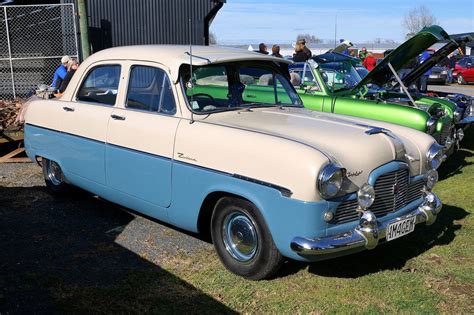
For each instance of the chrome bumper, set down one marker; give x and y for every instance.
(368, 233)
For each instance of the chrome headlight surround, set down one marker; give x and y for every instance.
(431, 125)
(434, 156)
(330, 180)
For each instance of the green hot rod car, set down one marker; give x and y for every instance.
(331, 83)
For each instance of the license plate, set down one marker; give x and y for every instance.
(400, 228)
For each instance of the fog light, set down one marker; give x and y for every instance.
(430, 200)
(328, 216)
(431, 179)
(366, 196)
(460, 134)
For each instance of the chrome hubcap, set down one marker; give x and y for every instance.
(240, 236)
(55, 174)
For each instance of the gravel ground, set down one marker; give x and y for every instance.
(48, 242)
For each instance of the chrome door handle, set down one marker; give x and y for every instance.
(117, 117)
(68, 109)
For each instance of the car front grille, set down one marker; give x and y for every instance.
(392, 192)
(445, 134)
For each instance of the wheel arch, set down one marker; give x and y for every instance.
(209, 203)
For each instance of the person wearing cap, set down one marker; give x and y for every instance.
(60, 72)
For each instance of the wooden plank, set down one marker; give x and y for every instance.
(10, 157)
(11, 136)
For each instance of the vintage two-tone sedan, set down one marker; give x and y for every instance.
(266, 179)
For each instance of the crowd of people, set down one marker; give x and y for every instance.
(301, 53)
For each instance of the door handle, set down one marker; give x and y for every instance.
(117, 117)
(68, 109)
(251, 96)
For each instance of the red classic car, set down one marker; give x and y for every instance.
(464, 70)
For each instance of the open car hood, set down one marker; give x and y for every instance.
(439, 55)
(403, 54)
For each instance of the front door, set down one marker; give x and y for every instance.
(85, 120)
(140, 137)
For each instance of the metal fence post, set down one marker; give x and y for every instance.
(9, 51)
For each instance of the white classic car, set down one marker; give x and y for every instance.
(142, 127)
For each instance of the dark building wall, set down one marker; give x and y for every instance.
(123, 22)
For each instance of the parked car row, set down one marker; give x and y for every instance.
(218, 141)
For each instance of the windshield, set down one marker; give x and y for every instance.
(222, 87)
(339, 75)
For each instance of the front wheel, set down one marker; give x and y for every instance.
(461, 79)
(242, 239)
(54, 177)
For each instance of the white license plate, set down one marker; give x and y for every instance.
(399, 228)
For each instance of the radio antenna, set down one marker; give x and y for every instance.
(191, 85)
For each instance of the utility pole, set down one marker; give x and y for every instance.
(83, 28)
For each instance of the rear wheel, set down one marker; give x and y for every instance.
(54, 177)
(242, 239)
(461, 79)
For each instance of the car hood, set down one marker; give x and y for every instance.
(400, 56)
(337, 137)
(439, 55)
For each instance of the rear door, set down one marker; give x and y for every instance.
(140, 136)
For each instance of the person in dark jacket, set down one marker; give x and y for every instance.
(302, 53)
(276, 51)
(262, 48)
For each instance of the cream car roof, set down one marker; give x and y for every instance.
(173, 56)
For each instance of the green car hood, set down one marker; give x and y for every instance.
(400, 56)
(439, 55)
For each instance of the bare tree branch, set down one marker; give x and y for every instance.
(416, 19)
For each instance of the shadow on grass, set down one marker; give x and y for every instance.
(60, 255)
(458, 160)
(388, 256)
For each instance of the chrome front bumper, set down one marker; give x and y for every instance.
(368, 233)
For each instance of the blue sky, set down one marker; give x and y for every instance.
(273, 21)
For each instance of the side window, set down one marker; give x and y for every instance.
(149, 89)
(100, 85)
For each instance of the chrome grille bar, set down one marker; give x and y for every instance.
(392, 192)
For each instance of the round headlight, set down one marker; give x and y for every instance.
(431, 179)
(431, 125)
(435, 156)
(330, 180)
(365, 196)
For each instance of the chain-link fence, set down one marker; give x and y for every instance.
(33, 38)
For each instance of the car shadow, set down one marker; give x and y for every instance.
(388, 256)
(458, 160)
(61, 255)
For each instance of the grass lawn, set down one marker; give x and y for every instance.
(429, 271)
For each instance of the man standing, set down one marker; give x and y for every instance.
(423, 80)
(60, 72)
(363, 54)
